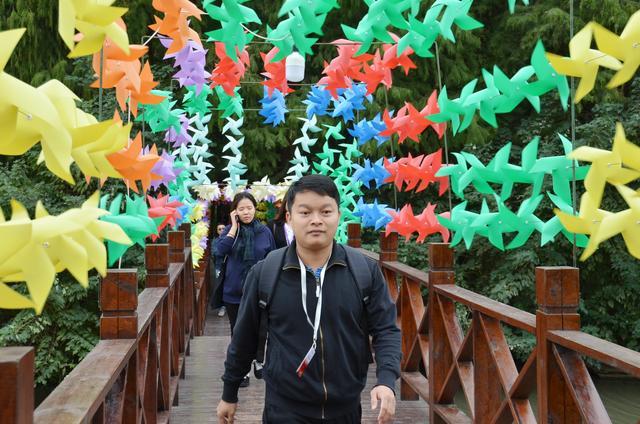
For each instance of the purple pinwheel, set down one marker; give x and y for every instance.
(164, 168)
(192, 61)
(274, 107)
(317, 101)
(372, 214)
(371, 172)
(183, 137)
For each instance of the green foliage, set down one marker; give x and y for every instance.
(62, 335)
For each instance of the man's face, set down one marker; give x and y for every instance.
(314, 220)
(220, 229)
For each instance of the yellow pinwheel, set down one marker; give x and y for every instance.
(583, 61)
(96, 20)
(37, 249)
(608, 166)
(27, 117)
(589, 221)
(626, 222)
(92, 142)
(625, 47)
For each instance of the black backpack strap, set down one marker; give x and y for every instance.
(357, 264)
(267, 280)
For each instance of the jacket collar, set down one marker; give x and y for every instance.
(338, 257)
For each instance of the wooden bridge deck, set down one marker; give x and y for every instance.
(202, 388)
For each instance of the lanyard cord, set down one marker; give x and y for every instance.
(303, 286)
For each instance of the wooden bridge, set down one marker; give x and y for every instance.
(160, 357)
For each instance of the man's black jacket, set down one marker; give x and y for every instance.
(331, 385)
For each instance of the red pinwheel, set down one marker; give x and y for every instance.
(275, 72)
(419, 170)
(406, 223)
(162, 207)
(391, 59)
(228, 73)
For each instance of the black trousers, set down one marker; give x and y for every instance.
(232, 313)
(276, 415)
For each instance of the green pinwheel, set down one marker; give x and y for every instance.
(460, 224)
(451, 110)
(547, 77)
(524, 222)
(552, 227)
(456, 12)
(512, 5)
(230, 105)
(233, 16)
(333, 131)
(561, 170)
(135, 222)
(421, 34)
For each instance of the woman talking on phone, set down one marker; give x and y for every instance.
(241, 244)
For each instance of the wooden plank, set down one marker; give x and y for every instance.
(202, 388)
(82, 392)
(418, 383)
(407, 271)
(373, 255)
(505, 313)
(174, 272)
(148, 301)
(452, 415)
(612, 354)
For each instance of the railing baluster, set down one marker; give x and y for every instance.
(353, 234)
(557, 294)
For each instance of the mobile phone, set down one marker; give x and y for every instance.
(237, 219)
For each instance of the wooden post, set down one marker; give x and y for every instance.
(119, 320)
(16, 389)
(176, 246)
(557, 295)
(353, 232)
(156, 261)
(118, 302)
(440, 357)
(388, 247)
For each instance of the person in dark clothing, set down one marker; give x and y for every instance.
(282, 232)
(244, 242)
(317, 354)
(217, 268)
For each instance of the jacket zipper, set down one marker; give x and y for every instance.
(324, 386)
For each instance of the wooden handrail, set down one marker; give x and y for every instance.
(439, 359)
(132, 374)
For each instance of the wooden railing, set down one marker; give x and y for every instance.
(132, 374)
(440, 360)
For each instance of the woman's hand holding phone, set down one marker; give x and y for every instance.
(234, 223)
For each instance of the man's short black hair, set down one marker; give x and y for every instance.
(319, 184)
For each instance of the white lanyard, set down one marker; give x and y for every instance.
(303, 285)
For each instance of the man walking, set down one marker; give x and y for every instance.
(325, 302)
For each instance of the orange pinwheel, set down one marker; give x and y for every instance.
(175, 23)
(134, 165)
(406, 223)
(125, 73)
(419, 170)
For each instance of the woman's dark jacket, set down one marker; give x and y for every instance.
(234, 268)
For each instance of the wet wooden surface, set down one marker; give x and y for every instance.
(202, 388)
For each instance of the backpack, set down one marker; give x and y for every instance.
(268, 278)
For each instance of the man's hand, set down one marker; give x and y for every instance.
(387, 403)
(226, 412)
